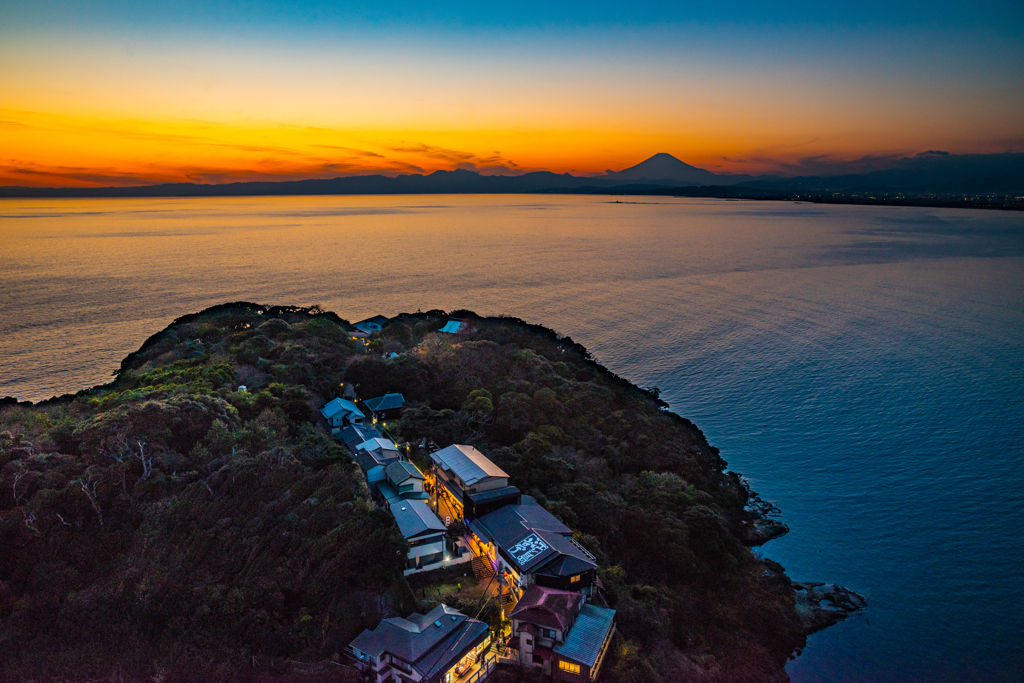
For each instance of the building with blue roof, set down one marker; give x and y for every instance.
(340, 413)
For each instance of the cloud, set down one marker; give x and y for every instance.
(358, 152)
(494, 163)
(827, 164)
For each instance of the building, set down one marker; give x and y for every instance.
(371, 325)
(353, 435)
(526, 545)
(374, 456)
(386, 407)
(428, 647)
(561, 634)
(455, 326)
(405, 477)
(340, 413)
(470, 483)
(423, 531)
(402, 481)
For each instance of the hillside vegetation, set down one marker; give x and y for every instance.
(170, 524)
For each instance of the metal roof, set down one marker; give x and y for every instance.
(385, 402)
(415, 518)
(377, 443)
(584, 641)
(468, 463)
(453, 326)
(484, 496)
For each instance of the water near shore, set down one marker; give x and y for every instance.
(863, 367)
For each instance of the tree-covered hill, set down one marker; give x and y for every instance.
(170, 524)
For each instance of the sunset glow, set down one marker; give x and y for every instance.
(129, 99)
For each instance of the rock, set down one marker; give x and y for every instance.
(762, 530)
(820, 605)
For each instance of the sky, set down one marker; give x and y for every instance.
(140, 92)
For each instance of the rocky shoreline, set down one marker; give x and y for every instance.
(820, 605)
(762, 524)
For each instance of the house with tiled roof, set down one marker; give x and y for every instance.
(527, 545)
(386, 407)
(371, 325)
(432, 647)
(559, 633)
(340, 413)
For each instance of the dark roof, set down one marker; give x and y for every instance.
(468, 463)
(484, 496)
(385, 402)
(584, 641)
(387, 492)
(566, 565)
(391, 495)
(547, 607)
(377, 319)
(531, 538)
(402, 470)
(415, 518)
(370, 459)
(353, 435)
(431, 642)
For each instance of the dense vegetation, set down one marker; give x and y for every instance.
(168, 523)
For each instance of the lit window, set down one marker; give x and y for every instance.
(569, 667)
(574, 579)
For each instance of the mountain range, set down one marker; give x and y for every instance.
(930, 172)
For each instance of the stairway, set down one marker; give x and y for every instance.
(508, 601)
(482, 568)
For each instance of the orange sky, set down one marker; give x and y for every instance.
(123, 110)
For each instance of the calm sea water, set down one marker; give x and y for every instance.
(863, 367)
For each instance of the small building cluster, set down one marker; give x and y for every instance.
(545, 580)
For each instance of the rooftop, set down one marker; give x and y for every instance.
(403, 470)
(432, 642)
(584, 641)
(415, 518)
(547, 607)
(469, 464)
(454, 326)
(532, 538)
(368, 459)
(385, 402)
(353, 435)
(377, 443)
(376, 320)
(338, 405)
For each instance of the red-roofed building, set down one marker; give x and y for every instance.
(557, 632)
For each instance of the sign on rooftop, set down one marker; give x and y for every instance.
(527, 549)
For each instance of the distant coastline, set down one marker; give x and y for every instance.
(965, 181)
(997, 202)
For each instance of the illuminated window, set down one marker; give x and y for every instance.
(574, 579)
(569, 667)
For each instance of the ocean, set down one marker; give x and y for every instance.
(863, 367)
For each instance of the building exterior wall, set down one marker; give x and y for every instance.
(488, 484)
(435, 546)
(411, 486)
